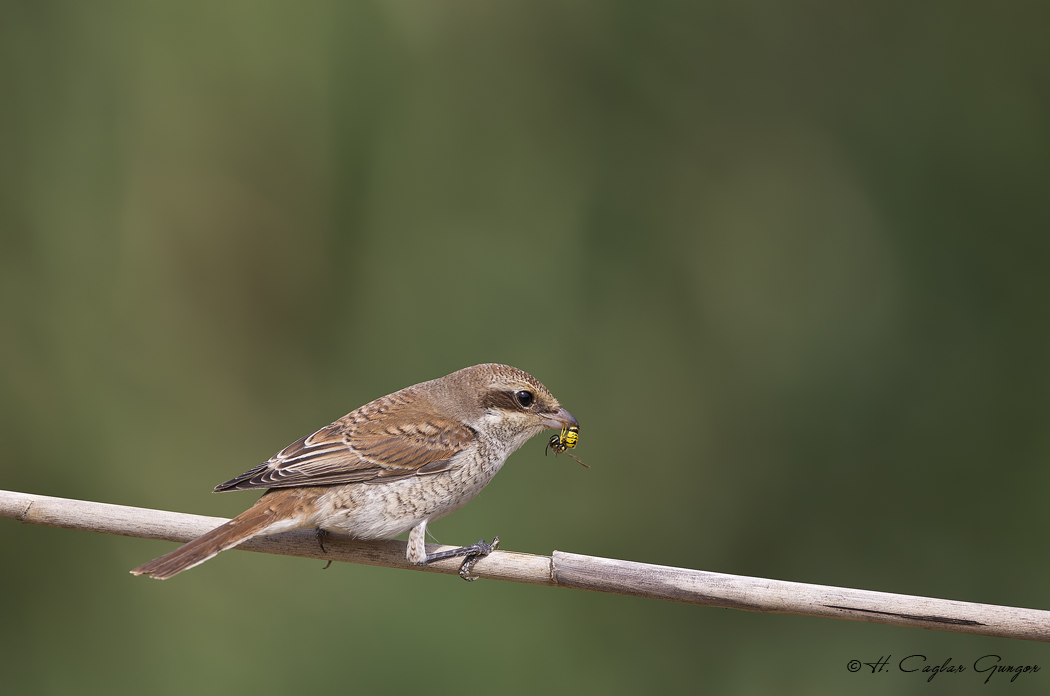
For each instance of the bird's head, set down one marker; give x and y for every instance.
(505, 402)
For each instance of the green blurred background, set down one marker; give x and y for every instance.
(787, 263)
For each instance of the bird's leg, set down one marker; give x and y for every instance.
(321, 535)
(472, 553)
(417, 551)
(417, 540)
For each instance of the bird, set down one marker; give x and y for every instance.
(389, 467)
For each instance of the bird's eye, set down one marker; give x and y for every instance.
(525, 398)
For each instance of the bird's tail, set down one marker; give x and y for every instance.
(250, 523)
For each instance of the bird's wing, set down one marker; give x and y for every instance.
(385, 440)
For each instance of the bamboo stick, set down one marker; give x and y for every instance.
(563, 570)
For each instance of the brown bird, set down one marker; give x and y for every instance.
(391, 466)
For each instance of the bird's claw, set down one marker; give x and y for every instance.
(477, 551)
(472, 553)
(321, 535)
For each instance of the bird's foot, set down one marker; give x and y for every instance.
(472, 553)
(479, 549)
(321, 535)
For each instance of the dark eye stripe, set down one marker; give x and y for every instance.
(501, 399)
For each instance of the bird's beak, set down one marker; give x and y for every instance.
(561, 420)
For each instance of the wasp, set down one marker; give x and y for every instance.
(566, 440)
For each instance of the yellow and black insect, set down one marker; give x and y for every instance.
(565, 441)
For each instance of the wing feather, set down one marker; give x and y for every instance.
(388, 439)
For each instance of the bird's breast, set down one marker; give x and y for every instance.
(383, 510)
